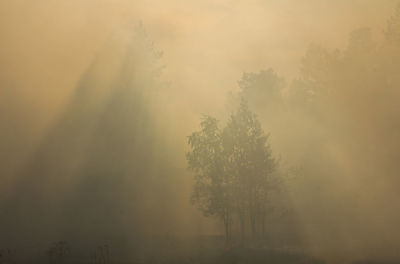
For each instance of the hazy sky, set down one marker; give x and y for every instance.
(47, 45)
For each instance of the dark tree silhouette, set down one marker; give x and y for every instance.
(234, 170)
(213, 188)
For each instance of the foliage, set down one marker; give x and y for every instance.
(233, 169)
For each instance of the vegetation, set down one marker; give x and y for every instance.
(59, 252)
(110, 169)
(234, 170)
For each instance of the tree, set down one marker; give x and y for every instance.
(212, 190)
(233, 169)
(392, 31)
(262, 91)
(249, 160)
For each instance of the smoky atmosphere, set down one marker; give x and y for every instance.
(213, 131)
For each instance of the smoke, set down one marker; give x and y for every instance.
(93, 121)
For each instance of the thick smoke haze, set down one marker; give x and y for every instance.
(97, 99)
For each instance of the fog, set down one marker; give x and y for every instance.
(98, 98)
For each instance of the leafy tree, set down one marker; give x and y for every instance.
(250, 161)
(212, 191)
(233, 169)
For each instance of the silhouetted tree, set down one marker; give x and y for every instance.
(213, 188)
(233, 169)
(250, 162)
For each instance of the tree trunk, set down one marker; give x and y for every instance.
(242, 227)
(253, 224)
(227, 223)
(263, 225)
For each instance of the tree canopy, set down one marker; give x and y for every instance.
(234, 170)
